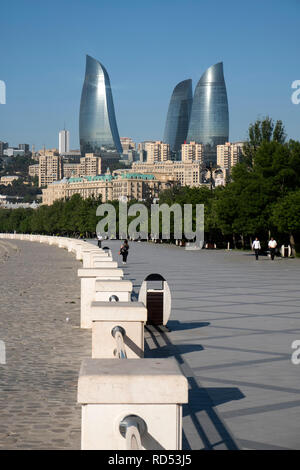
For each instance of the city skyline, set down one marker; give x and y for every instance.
(144, 63)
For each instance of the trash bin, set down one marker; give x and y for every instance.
(286, 251)
(155, 294)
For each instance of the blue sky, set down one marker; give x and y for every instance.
(147, 47)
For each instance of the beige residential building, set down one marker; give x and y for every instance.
(127, 144)
(192, 152)
(90, 165)
(50, 169)
(53, 168)
(33, 170)
(229, 154)
(71, 169)
(185, 173)
(157, 151)
(120, 187)
(49, 152)
(87, 187)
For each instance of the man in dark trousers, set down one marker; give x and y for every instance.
(100, 238)
(272, 246)
(256, 247)
(124, 251)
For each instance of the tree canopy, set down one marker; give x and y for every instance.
(261, 199)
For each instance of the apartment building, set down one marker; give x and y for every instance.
(119, 187)
(156, 151)
(229, 154)
(50, 169)
(187, 173)
(192, 152)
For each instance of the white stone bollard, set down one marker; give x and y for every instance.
(88, 278)
(100, 263)
(72, 246)
(130, 316)
(79, 247)
(111, 389)
(88, 254)
(104, 289)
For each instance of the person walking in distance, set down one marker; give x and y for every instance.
(124, 251)
(100, 238)
(272, 245)
(256, 247)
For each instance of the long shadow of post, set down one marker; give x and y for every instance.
(201, 400)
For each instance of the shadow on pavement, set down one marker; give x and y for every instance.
(175, 325)
(200, 413)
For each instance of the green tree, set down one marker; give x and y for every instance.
(260, 132)
(286, 217)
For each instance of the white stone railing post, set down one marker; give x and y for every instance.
(130, 316)
(111, 389)
(88, 278)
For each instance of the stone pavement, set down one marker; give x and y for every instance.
(233, 321)
(232, 325)
(39, 291)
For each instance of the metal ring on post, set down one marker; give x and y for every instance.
(133, 428)
(118, 329)
(118, 333)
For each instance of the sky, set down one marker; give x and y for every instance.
(147, 47)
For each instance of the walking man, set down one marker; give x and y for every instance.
(124, 251)
(256, 247)
(272, 245)
(100, 238)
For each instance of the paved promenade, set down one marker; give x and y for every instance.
(233, 321)
(39, 290)
(232, 324)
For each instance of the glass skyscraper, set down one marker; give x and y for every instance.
(209, 122)
(178, 117)
(97, 122)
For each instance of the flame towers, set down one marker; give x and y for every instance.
(97, 122)
(209, 122)
(178, 116)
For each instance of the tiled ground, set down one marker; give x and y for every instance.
(232, 325)
(39, 291)
(233, 321)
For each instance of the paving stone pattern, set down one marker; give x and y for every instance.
(232, 325)
(39, 291)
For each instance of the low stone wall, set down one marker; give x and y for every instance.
(128, 402)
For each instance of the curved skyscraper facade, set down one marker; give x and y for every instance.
(97, 122)
(209, 122)
(178, 117)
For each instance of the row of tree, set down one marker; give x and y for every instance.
(261, 199)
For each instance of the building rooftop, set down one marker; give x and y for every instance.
(106, 177)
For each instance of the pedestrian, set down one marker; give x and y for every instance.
(100, 238)
(272, 245)
(256, 247)
(124, 251)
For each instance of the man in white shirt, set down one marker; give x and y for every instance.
(272, 245)
(100, 238)
(256, 247)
